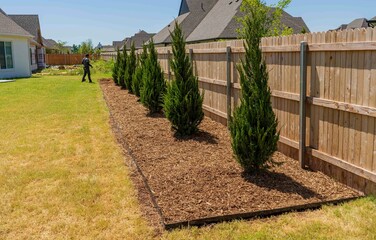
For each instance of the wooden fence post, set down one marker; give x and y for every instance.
(228, 90)
(302, 104)
(168, 65)
(191, 56)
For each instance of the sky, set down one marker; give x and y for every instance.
(75, 21)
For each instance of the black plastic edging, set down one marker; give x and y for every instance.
(134, 161)
(258, 214)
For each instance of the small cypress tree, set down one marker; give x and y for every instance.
(130, 68)
(183, 101)
(115, 69)
(123, 68)
(137, 77)
(254, 125)
(154, 85)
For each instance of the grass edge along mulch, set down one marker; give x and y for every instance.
(212, 219)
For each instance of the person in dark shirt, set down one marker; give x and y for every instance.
(87, 65)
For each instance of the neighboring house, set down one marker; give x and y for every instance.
(214, 20)
(37, 50)
(15, 44)
(50, 45)
(358, 23)
(119, 44)
(138, 39)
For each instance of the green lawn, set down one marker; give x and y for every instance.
(62, 176)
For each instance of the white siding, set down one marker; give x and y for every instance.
(21, 58)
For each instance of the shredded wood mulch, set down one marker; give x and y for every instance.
(198, 177)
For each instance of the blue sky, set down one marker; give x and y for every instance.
(75, 21)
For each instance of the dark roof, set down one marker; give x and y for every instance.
(30, 23)
(191, 16)
(11, 28)
(215, 19)
(118, 44)
(139, 39)
(108, 48)
(357, 23)
(49, 43)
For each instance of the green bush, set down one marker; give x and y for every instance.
(254, 125)
(130, 69)
(154, 85)
(183, 101)
(137, 77)
(122, 67)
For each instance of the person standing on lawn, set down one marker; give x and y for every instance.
(87, 66)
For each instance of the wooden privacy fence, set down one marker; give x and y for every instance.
(339, 69)
(67, 59)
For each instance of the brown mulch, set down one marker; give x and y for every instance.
(198, 177)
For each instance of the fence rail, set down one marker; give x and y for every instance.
(67, 59)
(340, 101)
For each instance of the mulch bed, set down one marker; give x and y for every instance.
(198, 177)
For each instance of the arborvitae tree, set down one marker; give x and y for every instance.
(130, 68)
(123, 67)
(115, 69)
(183, 101)
(154, 85)
(137, 77)
(254, 125)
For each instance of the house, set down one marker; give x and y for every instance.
(37, 50)
(212, 20)
(15, 45)
(50, 45)
(358, 23)
(138, 39)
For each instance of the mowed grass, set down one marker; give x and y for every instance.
(62, 176)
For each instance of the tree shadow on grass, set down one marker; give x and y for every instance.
(279, 182)
(200, 136)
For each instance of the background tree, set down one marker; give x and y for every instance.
(273, 24)
(254, 125)
(137, 77)
(183, 101)
(122, 68)
(131, 68)
(115, 69)
(60, 46)
(86, 47)
(75, 48)
(154, 85)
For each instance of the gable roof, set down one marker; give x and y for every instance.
(30, 23)
(49, 43)
(10, 28)
(138, 39)
(215, 19)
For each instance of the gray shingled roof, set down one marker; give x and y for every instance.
(358, 23)
(139, 39)
(30, 23)
(10, 28)
(164, 34)
(197, 12)
(49, 43)
(215, 19)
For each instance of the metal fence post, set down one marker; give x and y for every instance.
(302, 104)
(228, 90)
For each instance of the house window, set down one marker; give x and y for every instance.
(6, 57)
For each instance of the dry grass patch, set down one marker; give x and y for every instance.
(62, 174)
